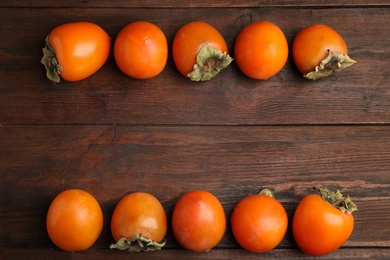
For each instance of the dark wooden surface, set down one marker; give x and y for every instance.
(112, 135)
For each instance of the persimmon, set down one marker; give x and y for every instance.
(198, 221)
(141, 50)
(261, 50)
(75, 51)
(74, 220)
(139, 223)
(323, 222)
(319, 51)
(259, 222)
(199, 51)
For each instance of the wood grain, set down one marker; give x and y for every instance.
(232, 162)
(112, 135)
(359, 94)
(344, 253)
(196, 4)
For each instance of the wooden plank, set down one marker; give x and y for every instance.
(344, 253)
(359, 95)
(37, 162)
(195, 4)
(233, 136)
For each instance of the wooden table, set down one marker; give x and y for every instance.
(112, 135)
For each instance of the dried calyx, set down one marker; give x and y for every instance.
(332, 63)
(337, 200)
(50, 61)
(209, 62)
(137, 244)
(267, 192)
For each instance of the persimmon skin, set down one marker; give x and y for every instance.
(188, 41)
(318, 227)
(261, 50)
(139, 213)
(74, 220)
(198, 221)
(141, 50)
(259, 223)
(313, 43)
(81, 48)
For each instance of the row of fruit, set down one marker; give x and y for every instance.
(75, 51)
(321, 223)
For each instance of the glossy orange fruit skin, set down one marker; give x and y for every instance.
(81, 48)
(74, 220)
(311, 45)
(198, 221)
(189, 39)
(141, 50)
(259, 223)
(318, 227)
(261, 50)
(139, 213)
